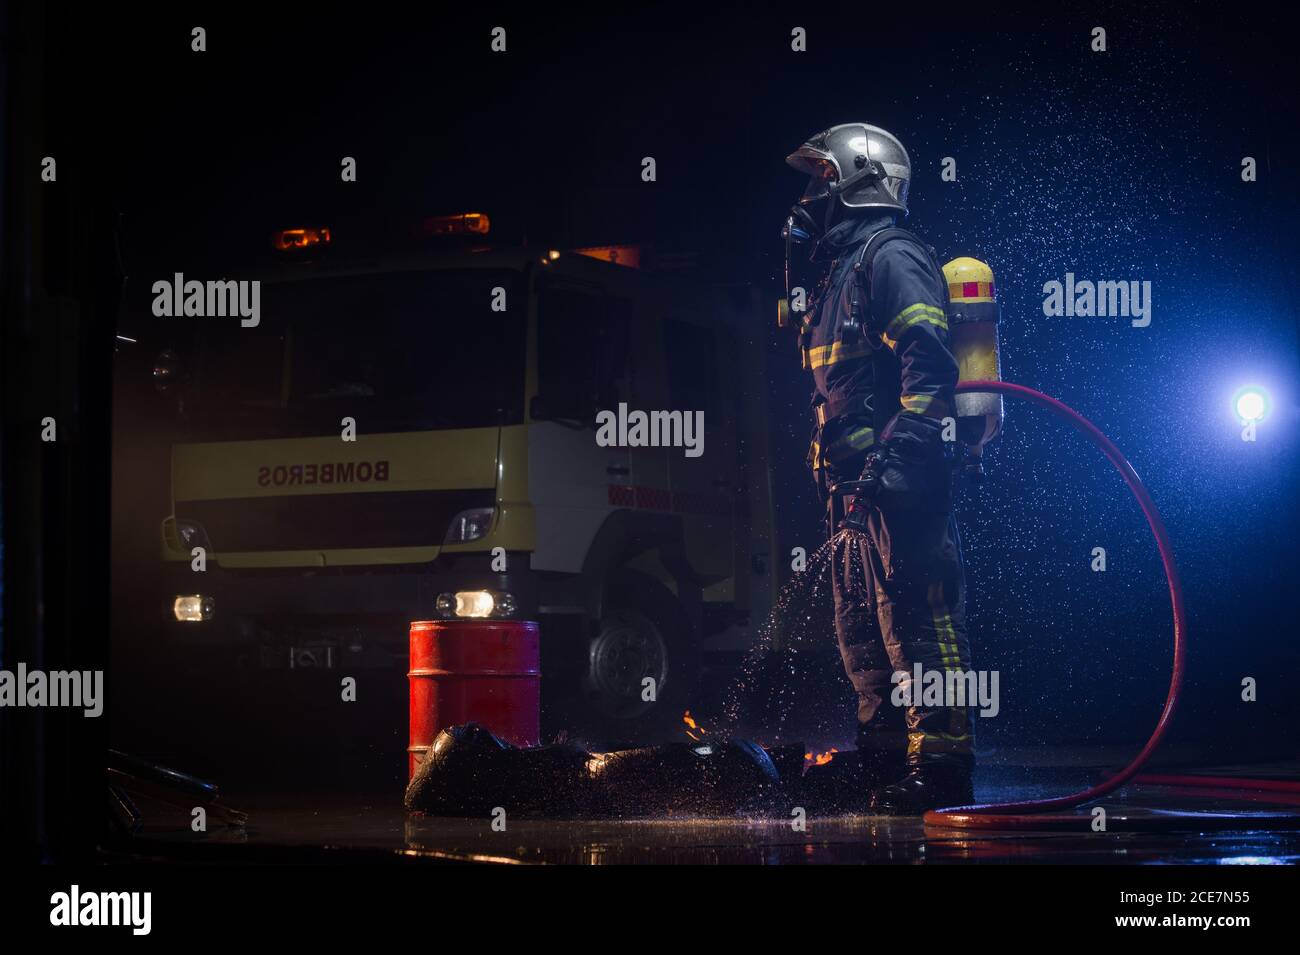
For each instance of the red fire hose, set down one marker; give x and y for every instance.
(1021, 815)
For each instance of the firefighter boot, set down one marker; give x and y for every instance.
(881, 767)
(932, 781)
(882, 745)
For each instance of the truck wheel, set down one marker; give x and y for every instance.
(643, 633)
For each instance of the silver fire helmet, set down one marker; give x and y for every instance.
(864, 166)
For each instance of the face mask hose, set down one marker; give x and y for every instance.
(799, 227)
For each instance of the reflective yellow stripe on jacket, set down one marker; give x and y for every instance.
(856, 440)
(912, 315)
(830, 354)
(927, 405)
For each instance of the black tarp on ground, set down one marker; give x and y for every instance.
(470, 771)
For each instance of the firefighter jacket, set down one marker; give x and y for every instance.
(875, 337)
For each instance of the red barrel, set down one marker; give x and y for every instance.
(484, 671)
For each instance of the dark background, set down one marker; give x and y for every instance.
(1116, 165)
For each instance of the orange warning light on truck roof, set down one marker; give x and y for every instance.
(287, 239)
(466, 223)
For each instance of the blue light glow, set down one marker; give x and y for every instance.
(1251, 404)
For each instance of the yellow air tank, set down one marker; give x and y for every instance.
(973, 331)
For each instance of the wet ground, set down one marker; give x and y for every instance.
(1141, 828)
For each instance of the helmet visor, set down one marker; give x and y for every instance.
(821, 171)
(821, 174)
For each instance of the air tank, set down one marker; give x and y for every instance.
(973, 315)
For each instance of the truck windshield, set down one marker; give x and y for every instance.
(396, 351)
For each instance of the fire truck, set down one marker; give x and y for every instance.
(413, 436)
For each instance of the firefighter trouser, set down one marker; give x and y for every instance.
(899, 593)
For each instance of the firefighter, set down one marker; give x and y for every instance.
(875, 338)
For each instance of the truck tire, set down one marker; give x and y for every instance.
(643, 632)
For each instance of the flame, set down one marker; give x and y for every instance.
(693, 727)
(820, 759)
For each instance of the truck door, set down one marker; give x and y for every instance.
(582, 356)
(703, 486)
(648, 392)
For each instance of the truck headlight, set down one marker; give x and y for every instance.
(194, 608)
(476, 603)
(470, 525)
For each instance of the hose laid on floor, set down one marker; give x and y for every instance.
(1249, 783)
(1020, 815)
